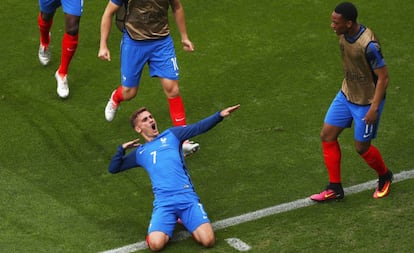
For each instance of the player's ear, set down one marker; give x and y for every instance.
(137, 129)
(349, 23)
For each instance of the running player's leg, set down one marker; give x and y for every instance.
(73, 11)
(45, 21)
(175, 102)
(133, 60)
(338, 117)
(163, 64)
(364, 134)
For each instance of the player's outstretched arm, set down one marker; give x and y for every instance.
(202, 126)
(226, 112)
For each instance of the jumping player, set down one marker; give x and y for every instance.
(146, 40)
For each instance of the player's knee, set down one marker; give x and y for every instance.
(172, 93)
(362, 147)
(156, 246)
(72, 24)
(171, 88)
(47, 16)
(208, 241)
(205, 235)
(323, 135)
(156, 243)
(128, 93)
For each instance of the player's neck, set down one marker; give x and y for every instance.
(354, 30)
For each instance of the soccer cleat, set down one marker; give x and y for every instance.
(110, 109)
(384, 184)
(62, 85)
(44, 55)
(190, 147)
(329, 193)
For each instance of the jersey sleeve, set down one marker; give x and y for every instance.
(186, 132)
(117, 2)
(121, 162)
(374, 55)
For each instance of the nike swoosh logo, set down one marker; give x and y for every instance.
(329, 195)
(179, 119)
(142, 151)
(366, 135)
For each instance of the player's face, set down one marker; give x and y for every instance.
(146, 125)
(339, 24)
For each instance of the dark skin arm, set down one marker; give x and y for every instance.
(382, 84)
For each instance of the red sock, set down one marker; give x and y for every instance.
(117, 96)
(374, 159)
(44, 28)
(177, 112)
(332, 156)
(69, 45)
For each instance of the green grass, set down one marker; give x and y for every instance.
(278, 59)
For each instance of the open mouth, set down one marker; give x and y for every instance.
(154, 126)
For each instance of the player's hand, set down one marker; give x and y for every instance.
(104, 54)
(371, 117)
(188, 46)
(226, 112)
(131, 144)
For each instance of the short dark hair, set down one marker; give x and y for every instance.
(347, 10)
(135, 114)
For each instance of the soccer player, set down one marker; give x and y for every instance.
(162, 157)
(146, 40)
(360, 101)
(73, 11)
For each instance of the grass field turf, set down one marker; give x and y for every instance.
(279, 59)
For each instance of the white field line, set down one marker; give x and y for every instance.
(238, 244)
(264, 212)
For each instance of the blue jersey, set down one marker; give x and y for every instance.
(163, 158)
